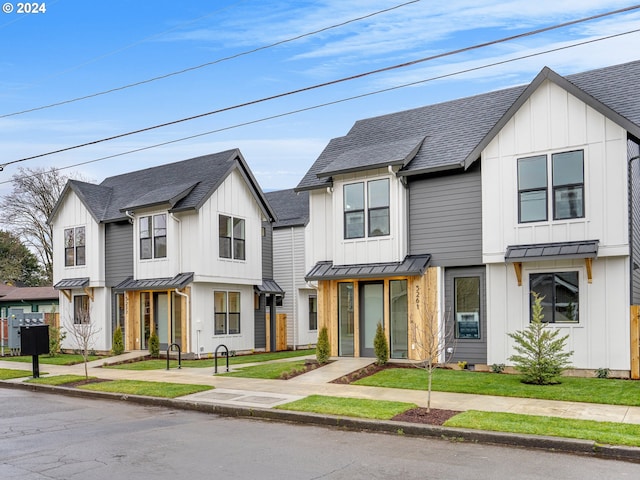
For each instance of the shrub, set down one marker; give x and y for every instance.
(56, 336)
(323, 349)
(117, 347)
(602, 373)
(154, 345)
(380, 346)
(497, 367)
(540, 356)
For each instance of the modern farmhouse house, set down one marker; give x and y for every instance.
(175, 249)
(454, 213)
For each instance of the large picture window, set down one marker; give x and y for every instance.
(231, 237)
(153, 236)
(567, 187)
(226, 313)
(376, 205)
(561, 296)
(74, 246)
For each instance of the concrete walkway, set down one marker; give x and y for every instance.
(261, 393)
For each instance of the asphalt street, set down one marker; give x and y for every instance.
(59, 437)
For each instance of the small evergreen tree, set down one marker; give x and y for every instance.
(380, 346)
(154, 345)
(56, 336)
(323, 349)
(540, 350)
(117, 347)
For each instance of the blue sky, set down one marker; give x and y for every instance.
(78, 48)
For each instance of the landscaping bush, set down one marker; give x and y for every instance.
(380, 346)
(323, 349)
(154, 345)
(56, 336)
(118, 342)
(540, 350)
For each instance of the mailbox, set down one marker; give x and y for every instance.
(34, 340)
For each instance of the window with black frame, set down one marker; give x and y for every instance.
(560, 293)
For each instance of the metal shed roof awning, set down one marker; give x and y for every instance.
(67, 284)
(411, 265)
(179, 281)
(516, 254)
(269, 286)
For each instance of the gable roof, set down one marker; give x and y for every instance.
(291, 207)
(456, 132)
(184, 185)
(19, 294)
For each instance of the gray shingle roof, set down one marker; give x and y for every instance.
(183, 185)
(29, 294)
(411, 265)
(291, 207)
(456, 131)
(546, 251)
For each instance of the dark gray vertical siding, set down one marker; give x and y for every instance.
(267, 250)
(471, 351)
(118, 252)
(260, 329)
(634, 216)
(259, 314)
(445, 214)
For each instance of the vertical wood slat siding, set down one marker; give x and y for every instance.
(633, 149)
(472, 351)
(635, 341)
(118, 252)
(445, 218)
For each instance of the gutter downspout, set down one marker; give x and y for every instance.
(179, 250)
(294, 289)
(188, 312)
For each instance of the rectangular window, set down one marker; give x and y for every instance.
(346, 346)
(153, 236)
(81, 309)
(231, 234)
(568, 185)
(313, 313)
(560, 292)
(74, 246)
(532, 189)
(145, 238)
(227, 313)
(378, 198)
(354, 210)
(467, 307)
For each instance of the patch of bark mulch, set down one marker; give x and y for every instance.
(419, 415)
(307, 367)
(367, 371)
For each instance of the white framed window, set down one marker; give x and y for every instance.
(74, 246)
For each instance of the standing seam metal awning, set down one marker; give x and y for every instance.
(179, 281)
(68, 283)
(411, 265)
(269, 286)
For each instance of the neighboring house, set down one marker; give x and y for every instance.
(456, 211)
(175, 249)
(28, 299)
(300, 303)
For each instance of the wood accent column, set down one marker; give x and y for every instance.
(635, 341)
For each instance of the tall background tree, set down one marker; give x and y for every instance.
(24, 211)
(17, 264)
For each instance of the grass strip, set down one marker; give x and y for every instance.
(58, 379)
(8, 374)
(150, 389)
(610, 433)
(62, 359)
(348, 407)
(269, 371)
(160, 364)
(574, 389)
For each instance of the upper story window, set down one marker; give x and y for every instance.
(231, 237)
(376, 203)
(153, 236)
(74, 246)
(566, 187)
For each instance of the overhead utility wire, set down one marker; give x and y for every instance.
(208, 64)
(313, 87)
(335, 102)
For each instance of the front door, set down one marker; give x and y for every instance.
(161, 318)
(371, 313)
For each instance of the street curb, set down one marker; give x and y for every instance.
(554, 444)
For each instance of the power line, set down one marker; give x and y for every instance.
(320, 85)
(342, 100)
(197, 67)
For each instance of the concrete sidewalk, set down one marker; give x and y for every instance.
(269, 393)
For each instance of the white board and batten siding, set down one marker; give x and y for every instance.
(320, 229)
(552, 121)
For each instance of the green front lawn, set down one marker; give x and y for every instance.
(58, 379)
(591, 390)
(8, 374)
(150, 389)
(348, 407)
(610, 433)
(270, 371)
(161, 363)
(62, 359)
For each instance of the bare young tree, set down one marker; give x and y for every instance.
(26, 209)
(431, 339)
(82, 330)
